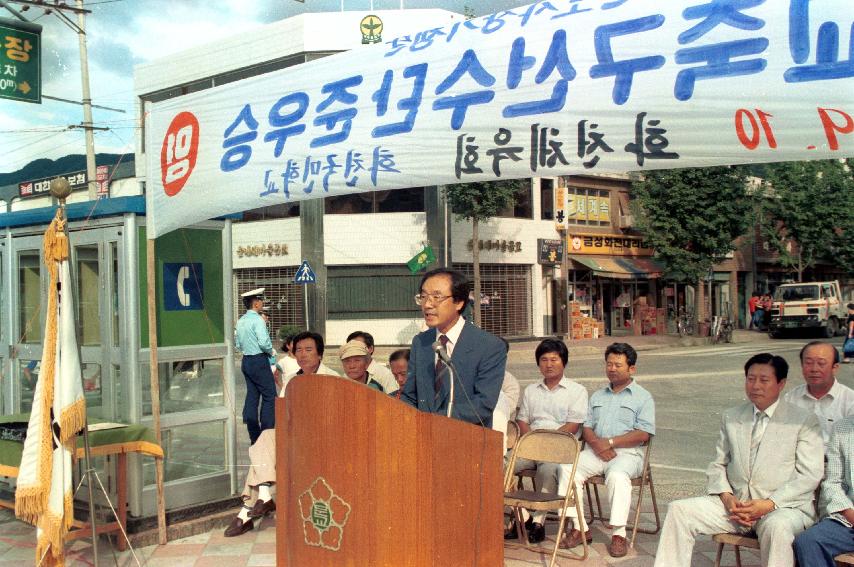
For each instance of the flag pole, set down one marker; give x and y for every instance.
(61, 189)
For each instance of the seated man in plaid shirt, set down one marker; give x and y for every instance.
(834, 534)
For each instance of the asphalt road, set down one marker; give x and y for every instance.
(691, 387)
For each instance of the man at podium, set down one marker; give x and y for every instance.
(477, 358)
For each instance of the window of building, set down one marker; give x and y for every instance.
(523, 207)
(547, 199)
(280, 211)
(589, 207)
(372, 292)
(408, 200)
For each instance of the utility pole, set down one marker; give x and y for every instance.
(87, 102)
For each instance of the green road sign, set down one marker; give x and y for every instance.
(20, 61)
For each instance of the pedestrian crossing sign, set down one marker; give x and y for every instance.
(305, 275)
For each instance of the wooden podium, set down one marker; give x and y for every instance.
(363, 479)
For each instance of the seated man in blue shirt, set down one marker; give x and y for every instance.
(817, 546)
(620, 420)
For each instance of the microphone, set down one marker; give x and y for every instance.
(440, 349)
(442, 352)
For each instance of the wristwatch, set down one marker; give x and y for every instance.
(611, 442)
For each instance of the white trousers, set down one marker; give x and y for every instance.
(706, 515)
(618, 472)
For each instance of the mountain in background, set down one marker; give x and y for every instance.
(41, 168)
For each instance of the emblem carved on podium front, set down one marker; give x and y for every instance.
(324, 515)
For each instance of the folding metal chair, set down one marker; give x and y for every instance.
(552, 447)
(643, 480)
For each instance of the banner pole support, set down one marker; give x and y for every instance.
(155, 384)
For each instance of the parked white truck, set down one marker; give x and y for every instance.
(808, 305)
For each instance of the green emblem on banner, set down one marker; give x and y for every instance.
(324, 515)
(421, 260)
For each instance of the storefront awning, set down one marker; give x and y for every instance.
(620, 267)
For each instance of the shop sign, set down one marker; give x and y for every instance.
(608, 244)
(502, 245)
(560, 207)
(262, 250)
(183, 286)
(588, 208)
(550, 251)
(77, 180)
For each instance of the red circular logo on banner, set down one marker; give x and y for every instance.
(178, 153)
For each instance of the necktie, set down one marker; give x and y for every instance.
(440, 367)
(756, 435)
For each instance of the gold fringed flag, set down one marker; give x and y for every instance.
(44, 493)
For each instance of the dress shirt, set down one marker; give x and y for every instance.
(837, 493)
(769, 411)
(829, 409)
(612, 414)
(510, 388)
(543, 408)
(251, 336)
(383, 376)
(288, 365)
(453, 335)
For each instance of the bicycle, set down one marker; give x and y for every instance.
(721, 330)
(685, 323)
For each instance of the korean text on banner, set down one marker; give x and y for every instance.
(553, 88)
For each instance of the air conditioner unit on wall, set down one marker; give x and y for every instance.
(627, 221)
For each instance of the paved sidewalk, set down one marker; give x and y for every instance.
(257, 549)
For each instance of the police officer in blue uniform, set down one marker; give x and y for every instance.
(252, 338)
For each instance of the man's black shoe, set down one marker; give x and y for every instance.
(512, 534)
(536, 533)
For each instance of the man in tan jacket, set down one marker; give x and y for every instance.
(769, 461)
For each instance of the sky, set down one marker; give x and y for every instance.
(124, 33)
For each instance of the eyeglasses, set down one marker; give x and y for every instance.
(434, 298)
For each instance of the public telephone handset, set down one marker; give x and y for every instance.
(183, 276)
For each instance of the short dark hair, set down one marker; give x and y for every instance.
(317, 338)
(625, 349)
(781, 367)
(460, 284)
(816, 343)
(367, 338)
(851, 306)
(398, 354)
(552, 345)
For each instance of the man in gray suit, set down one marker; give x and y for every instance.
(478, 357)
(769, 461)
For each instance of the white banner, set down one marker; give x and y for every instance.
(554, 88)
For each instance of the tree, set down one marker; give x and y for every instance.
(479, 202)
(692, 217)
(810, 204)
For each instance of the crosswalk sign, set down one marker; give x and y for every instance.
(305, 275)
